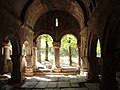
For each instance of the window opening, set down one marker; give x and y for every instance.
(98, 49)
(56, 22)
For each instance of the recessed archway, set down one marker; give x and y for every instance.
(69, 51)
(6, 58)
(109, 50)
(93, 75)
(25, 50)
(10, 55)
(45, 52)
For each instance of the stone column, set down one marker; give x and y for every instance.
(34, 55)
(93, 63)
(46, 51)
(38, 55)
(22, 67)
(108, 80)
(6, 55)
(56, 46)
(93, 70)
(28, 70)
(70, 56)
(79, 56)
(38, 44)
(16, 72)
(29, 60)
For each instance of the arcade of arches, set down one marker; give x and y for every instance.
(36, 37)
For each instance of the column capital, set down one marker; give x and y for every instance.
(6, 45)
(56, 44)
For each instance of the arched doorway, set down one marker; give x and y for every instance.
(109, 51)
(68, 51)
(45, 52)
(93, 53)
(10, 61)
(6, 59)
(25, 51)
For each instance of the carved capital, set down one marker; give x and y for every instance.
(56, 44)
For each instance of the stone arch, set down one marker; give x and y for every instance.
(110, 35)
(75, 33)
(92, 45)
(43, 60)
(15, 57)
(43, 7)
(71, 61)
(26, 54)
(43, 32)
(92, 59)
(56, 32)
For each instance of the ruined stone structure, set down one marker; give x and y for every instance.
(23, 21)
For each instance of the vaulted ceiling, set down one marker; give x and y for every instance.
(29, 11)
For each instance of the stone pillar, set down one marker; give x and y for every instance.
(108, 81)
(38, 55)
(79, 56)
(34, 56)
(56, 46)
(29, 60)
(93, 70)
(6, 55)
(22, 67)
(16, 76)
(38, 44)
(70, 56)
(46, 51)
(28, 70)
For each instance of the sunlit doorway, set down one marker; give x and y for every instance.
(45, 52)
(68, 51)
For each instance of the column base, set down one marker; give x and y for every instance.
(57, 70)
(28, 71)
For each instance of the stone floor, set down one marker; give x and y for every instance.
(54, 82)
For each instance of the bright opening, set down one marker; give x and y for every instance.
(98, 49)
(45, 51)
(56, 22)
(69, 51)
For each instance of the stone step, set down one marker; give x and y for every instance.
(51, 72)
